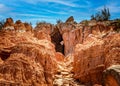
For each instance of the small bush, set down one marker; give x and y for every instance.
(103, 15)
(1, 24)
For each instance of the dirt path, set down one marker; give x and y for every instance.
(64, 77)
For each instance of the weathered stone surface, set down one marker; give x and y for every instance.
(73, 34)
(59, 56)
(112, 50)
(45, 27)
(28, 27)
(70, 39)
(95, 55)
(19, 26)
(42, 35)
(26, 60)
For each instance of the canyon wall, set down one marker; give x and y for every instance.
(94, 56)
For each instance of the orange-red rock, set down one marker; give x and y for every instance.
(45, 27)
(18, 26)
(26, 60)
(42, 35)
(28, 27)
(73, 34)
(95, 55)
(70, 39)
(9, 24)
(59, 57)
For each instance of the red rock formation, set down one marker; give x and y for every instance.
(26, 60)
(18, 26)
(59, 57)
(45, 27)
(70, 39)
(28, 27)
(9, 24)
(72, 34)
(95, 55)
(41, 35)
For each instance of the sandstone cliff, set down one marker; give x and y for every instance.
(75, 33)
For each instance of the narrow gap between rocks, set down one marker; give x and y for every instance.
(57, 40)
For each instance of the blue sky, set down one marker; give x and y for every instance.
(52, 10)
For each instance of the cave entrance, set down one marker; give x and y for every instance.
(4, 54)
(57, 40)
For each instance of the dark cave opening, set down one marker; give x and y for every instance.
(57, 40)
(4, 55)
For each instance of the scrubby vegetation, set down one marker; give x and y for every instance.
(103, 15)
(59, 21)
(1, 24)
(41, 22)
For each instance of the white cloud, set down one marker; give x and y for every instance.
(55, 12)
(63, 2)
(114, 7)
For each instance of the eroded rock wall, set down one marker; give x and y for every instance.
(95, 55)
(25, 60)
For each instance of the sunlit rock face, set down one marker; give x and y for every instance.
(95, 55)
(26, 60)
(42, 35)
(73, 34)
(45, 27)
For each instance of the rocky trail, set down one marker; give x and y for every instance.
(64, 77)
